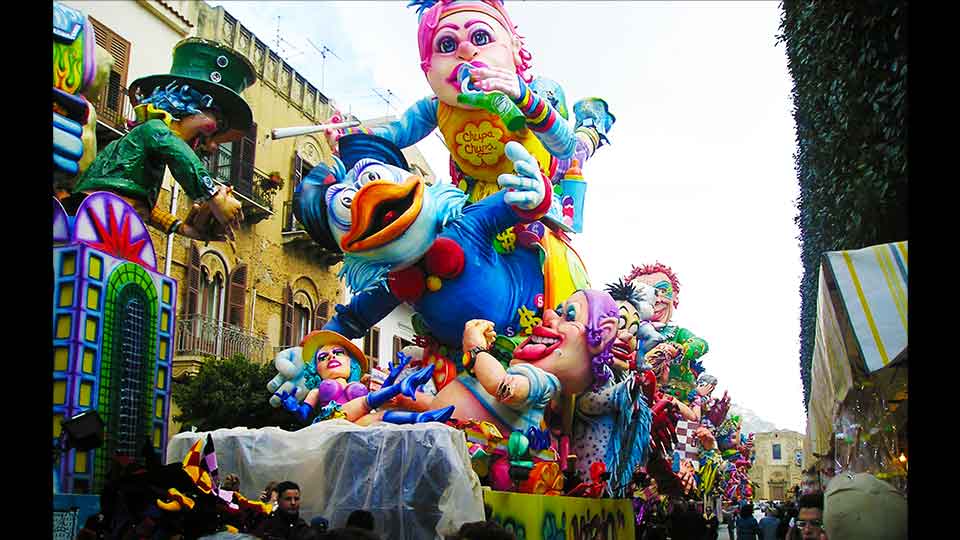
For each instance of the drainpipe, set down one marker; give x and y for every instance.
(173, 210)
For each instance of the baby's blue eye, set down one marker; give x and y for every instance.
(480, 38)
(571, 313)
(446, 44)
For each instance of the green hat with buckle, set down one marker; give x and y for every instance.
(210, 68)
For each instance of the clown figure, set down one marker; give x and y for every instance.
(484, 96)
(684, 371)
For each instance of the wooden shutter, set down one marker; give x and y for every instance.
(192, 304)
(237, 295)
(113, 98)
(321, 315)
(287, 316)
(244, 153)
(297, 174)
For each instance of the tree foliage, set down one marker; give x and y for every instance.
(228, 393)
(849, 65)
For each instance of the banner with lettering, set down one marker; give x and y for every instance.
(539, 517)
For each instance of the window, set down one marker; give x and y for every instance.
(302, 309)
(211, 293)
(371, 345)
(220, 164)
(133, 356)
(110, 106)
(776, 452)
(398, 344)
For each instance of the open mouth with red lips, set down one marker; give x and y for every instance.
(539, 345)
(622, 351)
(333, 364)
(381, 212)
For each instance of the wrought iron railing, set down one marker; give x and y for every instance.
(249, 185)
(114, 107)
(202, 335)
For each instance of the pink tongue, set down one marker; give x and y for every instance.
(533, 351)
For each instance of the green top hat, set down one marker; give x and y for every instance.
(211, 68)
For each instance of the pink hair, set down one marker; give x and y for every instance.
(648, 269)
(431, 19)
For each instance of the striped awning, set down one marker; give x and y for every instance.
(873, 288)
(861, 328)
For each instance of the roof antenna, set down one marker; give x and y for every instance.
(323, 60)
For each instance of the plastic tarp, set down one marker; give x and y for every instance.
(416, 479)
(831, 375)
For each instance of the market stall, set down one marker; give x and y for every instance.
(857, 415)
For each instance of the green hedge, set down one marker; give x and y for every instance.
(848, 60)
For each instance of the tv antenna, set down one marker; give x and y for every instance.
(324, 51)
(284, 52)
(386, 96)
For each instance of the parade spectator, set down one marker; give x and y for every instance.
(231, 482)
(857, 506)
(768, 525)
(809, 522)
(320, 524)
(483, 530)
(731, 520)
(711, 527)
(747, 527)
(269, 494)
(285, 520)
(787, 518)
(349, 533)
(360, 519)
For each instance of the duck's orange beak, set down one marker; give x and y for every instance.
(381, 212)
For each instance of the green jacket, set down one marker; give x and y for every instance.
(133, 166)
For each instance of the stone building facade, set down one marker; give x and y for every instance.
(274, 284)
(779, 464)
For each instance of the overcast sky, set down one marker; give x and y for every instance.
(699, 175)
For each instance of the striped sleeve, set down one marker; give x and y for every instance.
(547, 124)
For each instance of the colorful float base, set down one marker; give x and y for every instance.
(536, 517)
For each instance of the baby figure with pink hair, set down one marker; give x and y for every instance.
(479, 70)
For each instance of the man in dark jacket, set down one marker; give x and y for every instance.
(285, 521)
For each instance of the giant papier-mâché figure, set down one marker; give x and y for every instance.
(566, 354)
(406, 241)
(81, 69)
(484, 97)
(612, 423)
(332, 373)
(684, 372)
(186, 112)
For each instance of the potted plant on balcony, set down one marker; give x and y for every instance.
(272, 183)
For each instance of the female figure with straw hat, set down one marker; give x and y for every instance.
(333, 367)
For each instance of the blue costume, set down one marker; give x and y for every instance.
(491, 287)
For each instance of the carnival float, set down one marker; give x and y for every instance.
(581, 410)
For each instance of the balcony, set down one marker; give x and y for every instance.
(295, 236)
(113, 111)
(198, 336)
(248, 184)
